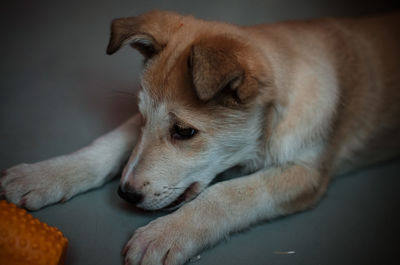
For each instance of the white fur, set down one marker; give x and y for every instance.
(58, 179)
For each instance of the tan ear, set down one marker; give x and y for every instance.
(218, 67)
(148, 33)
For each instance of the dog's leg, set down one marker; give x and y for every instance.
(58, 179)
(224, 208)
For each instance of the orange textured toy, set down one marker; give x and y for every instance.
(26, 240)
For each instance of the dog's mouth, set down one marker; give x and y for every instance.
(189, 194)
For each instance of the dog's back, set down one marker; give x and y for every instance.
(364, 56)
(368, 126)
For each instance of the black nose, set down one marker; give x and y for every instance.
(130, 196)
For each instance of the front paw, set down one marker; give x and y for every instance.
(33, 186)
(168, 240)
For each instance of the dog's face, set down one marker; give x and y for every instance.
(198, 105)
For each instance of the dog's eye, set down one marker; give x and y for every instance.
(182, 133)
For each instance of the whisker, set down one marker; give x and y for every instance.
(174, 188)
(122, 93)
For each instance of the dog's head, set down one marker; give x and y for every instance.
(200, 104)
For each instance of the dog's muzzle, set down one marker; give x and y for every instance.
(130, 195)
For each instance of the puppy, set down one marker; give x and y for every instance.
(290, 104)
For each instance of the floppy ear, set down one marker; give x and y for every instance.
(218, 67)
(148, 33)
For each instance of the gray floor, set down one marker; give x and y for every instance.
(58, 90)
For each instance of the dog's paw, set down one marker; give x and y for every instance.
(168, 240)
(34, 186)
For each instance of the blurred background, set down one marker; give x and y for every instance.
(59, 90)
